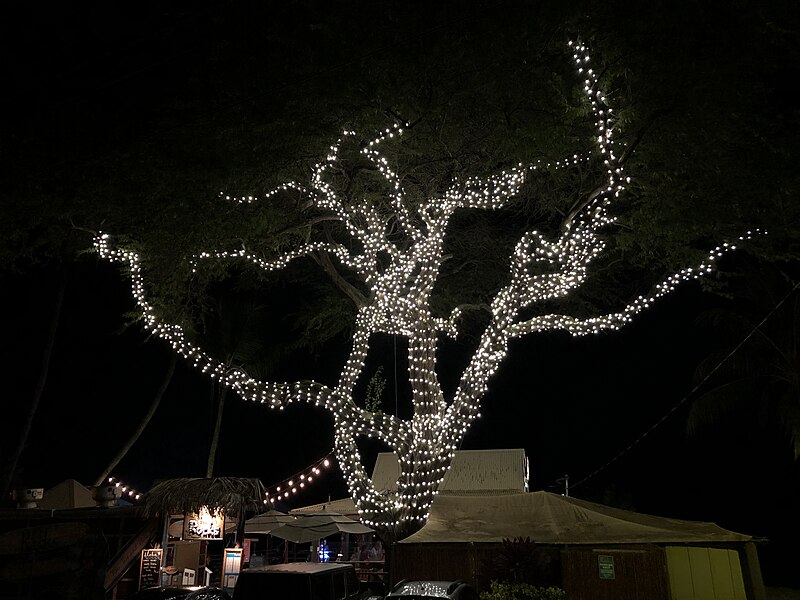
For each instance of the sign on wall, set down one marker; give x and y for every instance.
(605, 564)
(203, 525)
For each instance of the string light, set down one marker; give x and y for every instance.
(126, 491)
(401, 277)
(297, 482)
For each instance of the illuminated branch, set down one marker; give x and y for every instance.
(397, 251)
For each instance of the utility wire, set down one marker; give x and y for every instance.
(691, 392)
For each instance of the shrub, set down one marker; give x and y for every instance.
(509, 590)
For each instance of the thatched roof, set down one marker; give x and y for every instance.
(187, 494)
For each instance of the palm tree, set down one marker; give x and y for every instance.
(148, 416)
(236, 332)
(47, 354)
(758, 373)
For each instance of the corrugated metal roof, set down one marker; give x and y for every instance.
(473, 472)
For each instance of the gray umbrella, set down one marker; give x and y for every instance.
(312, 526)
(267, 522)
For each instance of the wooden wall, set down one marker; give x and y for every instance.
(639, 574)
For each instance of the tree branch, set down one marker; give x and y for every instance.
(324, 260)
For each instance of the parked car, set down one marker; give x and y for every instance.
(181, 592)
(300, 581)
(425, 590)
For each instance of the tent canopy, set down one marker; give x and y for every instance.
(67, 494)
(553, 519)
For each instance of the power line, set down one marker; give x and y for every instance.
(691, 392)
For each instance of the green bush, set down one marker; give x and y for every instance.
(509, 590)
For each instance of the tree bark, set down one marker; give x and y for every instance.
(212, 452)
(144, 422)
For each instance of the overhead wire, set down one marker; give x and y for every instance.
(689, 395)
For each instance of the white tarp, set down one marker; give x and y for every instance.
(553, 519)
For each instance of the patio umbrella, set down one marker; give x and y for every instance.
(267, 522)
(312, 526)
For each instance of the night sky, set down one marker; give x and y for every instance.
(609, 410)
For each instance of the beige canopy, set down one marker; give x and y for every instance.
(553, 519)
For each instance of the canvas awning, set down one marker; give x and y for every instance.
(553, 519)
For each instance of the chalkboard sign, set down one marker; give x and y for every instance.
(150, 568)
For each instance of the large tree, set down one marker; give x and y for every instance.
(142, 115)
(383, 243)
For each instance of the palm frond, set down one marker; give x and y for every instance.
(789, 408)
(726, 400)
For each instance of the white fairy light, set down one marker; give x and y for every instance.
(306, 477)
(399, 305)
(125, 489)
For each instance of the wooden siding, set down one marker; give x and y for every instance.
(638, 575)
(441, 562)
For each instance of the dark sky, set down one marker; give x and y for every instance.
(573, 403)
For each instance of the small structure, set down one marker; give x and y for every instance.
(473, 473)
(591, 550)
(67, 494)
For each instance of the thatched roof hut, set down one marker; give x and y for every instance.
(234, 495)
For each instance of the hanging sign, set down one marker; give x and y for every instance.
(203, 525)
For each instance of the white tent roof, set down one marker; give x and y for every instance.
(553, 519)
(67, 494)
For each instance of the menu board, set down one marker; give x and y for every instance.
(150, 568)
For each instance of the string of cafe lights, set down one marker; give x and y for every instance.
(298, 482)
(286, 488)
(126, 491)
(399, 305)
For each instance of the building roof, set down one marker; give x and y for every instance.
(67, 494)
(473, 472)
(553, 519)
